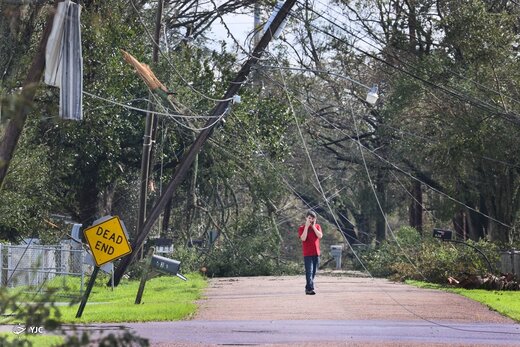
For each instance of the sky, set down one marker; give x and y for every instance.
(240, 25)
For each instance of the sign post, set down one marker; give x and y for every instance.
(90, 284)
(160, 264)
(144, 277)
(107, 241)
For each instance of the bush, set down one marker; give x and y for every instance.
(250, 248)
(383, 261)
(410, 256)
(244, 258)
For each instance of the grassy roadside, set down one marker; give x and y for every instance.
(506, 303)
(36, 340)
(165, 298)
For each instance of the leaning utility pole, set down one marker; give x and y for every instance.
(187, 159)
(149, 131)
(16, 123)
(256, 24)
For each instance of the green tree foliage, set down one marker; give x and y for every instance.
(448, 115)
(463, 138)
(441, 143)
(97, 158)
(26, 200)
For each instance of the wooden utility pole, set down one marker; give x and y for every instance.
(188, 158)
(23, 105)
(256, 24)
(150, 129)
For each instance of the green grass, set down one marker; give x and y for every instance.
(504, 302)
(165, 298)
(36, 340)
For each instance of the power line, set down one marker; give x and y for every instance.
(291, 187)
(362, 264)
(170, 64)
(316, 71)
(169, 115)
(391, 164)
(229, 31)
(321, 188)
(304, 144)
(174, 116)
(511, 117)
(508, 116)
(372, 186)
(342, 26)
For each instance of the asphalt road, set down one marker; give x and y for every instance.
(347, 311)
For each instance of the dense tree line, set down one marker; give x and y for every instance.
(438, 149)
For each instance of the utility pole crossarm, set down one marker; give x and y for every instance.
(188, 158)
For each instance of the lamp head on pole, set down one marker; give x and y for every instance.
(372, 95)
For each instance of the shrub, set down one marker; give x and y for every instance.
(410, 256)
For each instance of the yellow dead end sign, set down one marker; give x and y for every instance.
(107, 240)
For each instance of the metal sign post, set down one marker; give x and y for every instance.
(87, 291)
(144, 277)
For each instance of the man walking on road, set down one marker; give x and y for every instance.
(310, 233)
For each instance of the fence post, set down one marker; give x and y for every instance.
(1, 265)
(82, 259)
(9, 264)
(513, 270)
(63, 259)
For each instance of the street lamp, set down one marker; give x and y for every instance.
(372, 95)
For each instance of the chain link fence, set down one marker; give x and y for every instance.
(33, 265)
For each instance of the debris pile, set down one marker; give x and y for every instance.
(489, 281)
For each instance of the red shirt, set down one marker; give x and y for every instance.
(311, 245)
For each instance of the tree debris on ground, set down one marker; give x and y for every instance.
(489, 281)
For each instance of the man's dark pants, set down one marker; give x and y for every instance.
(311, 265)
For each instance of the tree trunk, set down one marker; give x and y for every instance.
(364, 234)
(502, 205)
(416, 207)
(459, 221)
(23, 106)
(192, 199)
(474, 226)
(499, 199)
(381, 218)
(166, 218)
(347, 228)
(88, 199)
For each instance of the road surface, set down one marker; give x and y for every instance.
(347, 311)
